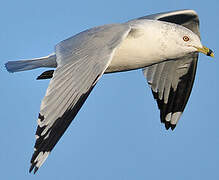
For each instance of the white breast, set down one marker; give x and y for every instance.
(138, 50)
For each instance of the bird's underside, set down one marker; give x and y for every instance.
(72, 81)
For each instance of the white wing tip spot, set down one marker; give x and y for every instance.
(175, 117)
(41, 158)
(168, 117)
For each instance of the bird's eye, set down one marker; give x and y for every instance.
(185, 38)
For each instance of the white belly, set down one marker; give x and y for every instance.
(135, 52)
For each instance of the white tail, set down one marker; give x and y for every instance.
(23, 65)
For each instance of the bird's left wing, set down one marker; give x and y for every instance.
(171, 81)
(81, 61)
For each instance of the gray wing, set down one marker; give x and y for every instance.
(171, 81)
(81, 61)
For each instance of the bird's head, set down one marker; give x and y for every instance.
(182, 41)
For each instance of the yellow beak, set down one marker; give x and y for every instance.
(206, 51)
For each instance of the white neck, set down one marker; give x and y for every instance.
(135, 51)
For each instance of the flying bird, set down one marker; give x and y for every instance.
(165, 46)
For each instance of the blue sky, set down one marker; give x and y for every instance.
(117, 134)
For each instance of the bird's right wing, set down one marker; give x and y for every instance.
(171, 81)
(171, 84)
(81, 61)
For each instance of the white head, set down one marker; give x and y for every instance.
(173, 41)
(180, 41)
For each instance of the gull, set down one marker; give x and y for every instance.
(165, 46)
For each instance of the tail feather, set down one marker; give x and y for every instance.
(23, 65)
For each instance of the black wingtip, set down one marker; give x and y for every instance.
(167, 125)
(31, 168)
(173, 126)
(35, 170)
